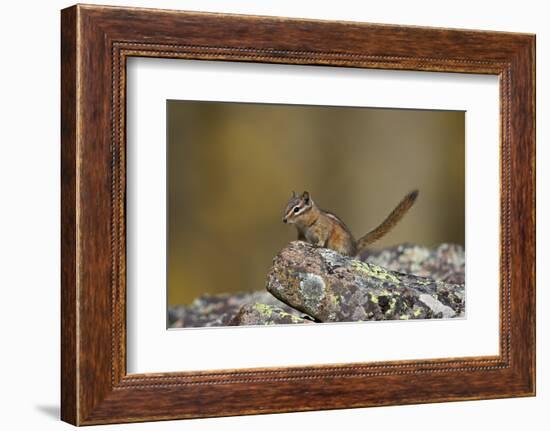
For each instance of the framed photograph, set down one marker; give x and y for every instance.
(264, 215)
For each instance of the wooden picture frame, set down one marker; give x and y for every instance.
(95, 43)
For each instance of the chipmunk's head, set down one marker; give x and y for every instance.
(297, 208)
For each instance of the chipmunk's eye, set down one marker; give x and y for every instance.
(296, 209)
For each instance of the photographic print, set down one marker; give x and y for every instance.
(294, 214)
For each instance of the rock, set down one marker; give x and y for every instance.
(263, 314)
(219, 310)
(445, 262)
(334, 288)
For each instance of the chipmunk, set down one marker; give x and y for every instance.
(323, 229)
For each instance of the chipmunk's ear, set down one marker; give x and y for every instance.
(293, 195)
(305, 197)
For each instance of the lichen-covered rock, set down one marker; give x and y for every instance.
(263, 314)
(445, 262)
(334, 288)
(219, 310)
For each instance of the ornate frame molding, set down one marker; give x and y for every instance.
(96, 41)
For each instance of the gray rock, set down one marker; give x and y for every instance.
(219, 310)
(263, 314)
(445, 262)
(436, 306)
(334, 288)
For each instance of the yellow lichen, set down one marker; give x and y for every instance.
(292, 317)
(264, 309)
(392, 303)
(374, 271)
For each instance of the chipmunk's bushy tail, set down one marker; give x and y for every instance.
(388, 224)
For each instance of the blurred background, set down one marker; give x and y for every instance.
(233, 166)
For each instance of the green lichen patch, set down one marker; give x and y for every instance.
(312, 289)
(291, 317)
(375, 271)
(266, 310)
(391, 304)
